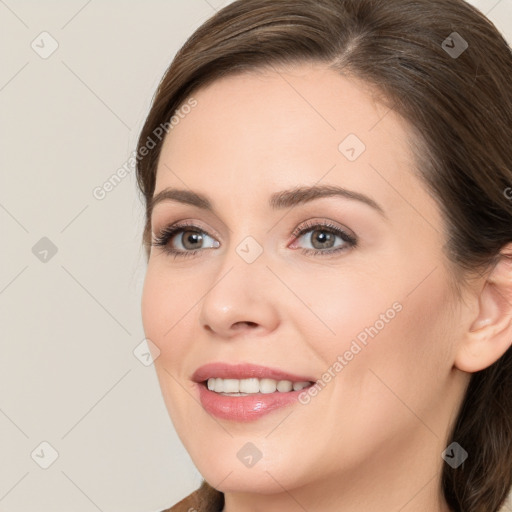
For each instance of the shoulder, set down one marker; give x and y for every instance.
(188, 504)
(204, 499)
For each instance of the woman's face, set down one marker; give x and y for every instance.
(375, 316)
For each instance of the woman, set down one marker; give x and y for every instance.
(329, 241)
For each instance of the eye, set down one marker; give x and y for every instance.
(191, 239)
(322, 238)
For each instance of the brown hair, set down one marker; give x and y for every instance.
(459, 107)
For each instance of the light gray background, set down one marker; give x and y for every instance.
(70, 324)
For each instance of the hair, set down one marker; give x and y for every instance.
(459, 110)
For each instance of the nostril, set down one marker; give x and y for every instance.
(248, 324)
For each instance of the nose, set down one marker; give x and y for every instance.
(240, 299)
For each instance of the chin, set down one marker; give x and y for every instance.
(222, 469)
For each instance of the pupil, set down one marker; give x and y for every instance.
(327, 237)
(193, 237)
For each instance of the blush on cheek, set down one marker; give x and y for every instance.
(158, 311)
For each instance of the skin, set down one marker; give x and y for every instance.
(372, 438)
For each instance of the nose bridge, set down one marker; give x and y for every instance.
(245, 251)
(243, 268)
(240, 291)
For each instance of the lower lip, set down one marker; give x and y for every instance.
(244, 408)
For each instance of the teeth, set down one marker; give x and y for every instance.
(249, 386)
(229, 385)
(268, 386)
(297, 386)
(243, 387)
(284, 385)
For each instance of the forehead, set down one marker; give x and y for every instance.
(301, 103)
(260, 132)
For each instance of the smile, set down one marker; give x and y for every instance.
(244, 387)
(245, 392)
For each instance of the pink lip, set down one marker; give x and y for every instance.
(244, 408)
(244, 371)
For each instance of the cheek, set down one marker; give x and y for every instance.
(390, 325)
(162, 307)
(170, 302)
(166, 303)
(163, 310)
(404, 363)
(152, 307)
(352, 309)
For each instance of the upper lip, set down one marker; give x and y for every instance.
(245, 371)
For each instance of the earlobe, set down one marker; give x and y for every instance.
(490, 333)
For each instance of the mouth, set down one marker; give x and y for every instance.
(246, 392)
(253, 386)
(245, 371)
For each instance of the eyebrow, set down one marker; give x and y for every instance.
(277, 201)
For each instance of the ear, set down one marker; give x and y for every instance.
(490, 333)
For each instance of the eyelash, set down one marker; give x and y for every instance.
(164, 237)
